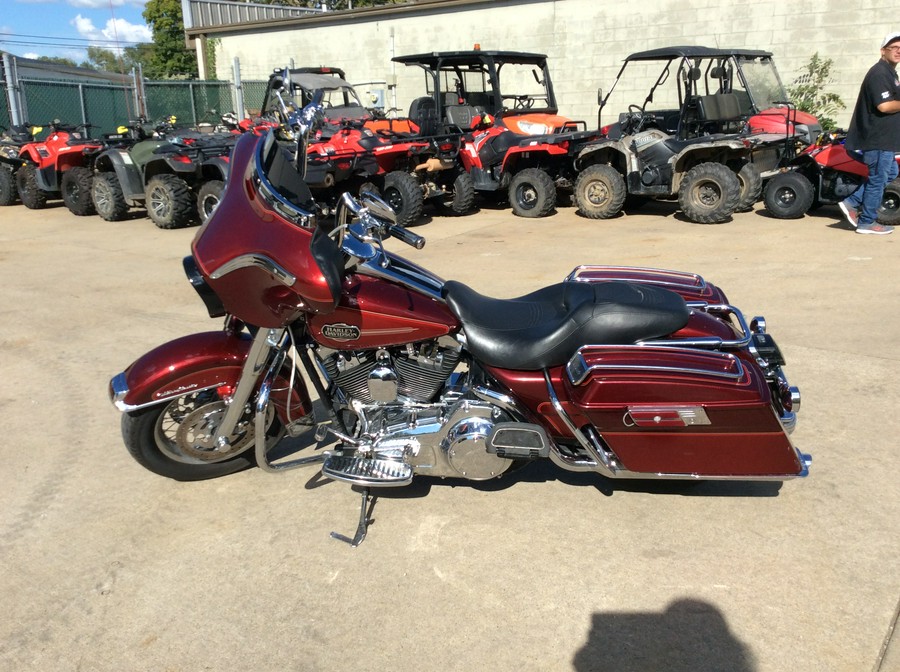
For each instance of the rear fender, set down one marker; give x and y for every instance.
(127, 172)
(198, 362)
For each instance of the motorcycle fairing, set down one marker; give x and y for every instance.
(197, 362)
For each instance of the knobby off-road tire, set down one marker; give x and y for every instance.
(600, 192)
(208, 198)
(460, 199)
(29, 192)
(404, 195)
(889, 212)
(175, 439)
(532, 193)
(709, 193)
(8, 195)
(789, 195)
(76, 186)
(751, 187)
(108, 198)
(170, 203)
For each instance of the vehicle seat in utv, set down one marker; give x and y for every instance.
(423, 113)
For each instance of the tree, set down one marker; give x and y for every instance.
(99, 58)
(808, 92)
(59, 60)
(170, 58)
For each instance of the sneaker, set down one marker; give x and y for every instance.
(876, 229)
(850, 214)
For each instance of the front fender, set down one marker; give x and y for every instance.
(187, 364)
(198, 362)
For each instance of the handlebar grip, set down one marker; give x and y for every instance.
(406, 236)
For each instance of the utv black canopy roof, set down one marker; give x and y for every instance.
(470, 57)
(695, 52)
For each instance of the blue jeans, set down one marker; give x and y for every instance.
(867, 199)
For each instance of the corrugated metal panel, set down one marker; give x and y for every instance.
(211, 13)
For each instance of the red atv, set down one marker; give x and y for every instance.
(514, 140)
(355, 150)
(825, 173)
(59, 165)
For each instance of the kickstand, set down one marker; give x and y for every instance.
(364, 521)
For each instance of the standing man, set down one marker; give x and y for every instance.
(874, 138)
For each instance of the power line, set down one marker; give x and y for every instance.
(77, 41)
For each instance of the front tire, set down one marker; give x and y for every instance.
(176, 439)
(600, 192)
(76, 186)
(751, 187)
(108, 197)
(208, 198)
(8, 195)
(170, 203)
(29, 192)
(404, 195)
(532, 193)
(461, 197)
(789, 195)
(709, 193)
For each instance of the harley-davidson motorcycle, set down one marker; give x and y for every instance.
(628, 372)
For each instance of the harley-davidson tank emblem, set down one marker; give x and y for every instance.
(341, 332)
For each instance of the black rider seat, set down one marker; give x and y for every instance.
(544, 328)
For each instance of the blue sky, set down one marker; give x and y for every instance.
(34, 28)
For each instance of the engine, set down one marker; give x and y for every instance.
(412, 404)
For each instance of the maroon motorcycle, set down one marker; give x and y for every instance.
(628, 372)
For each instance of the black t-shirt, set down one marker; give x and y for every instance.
(869, 128)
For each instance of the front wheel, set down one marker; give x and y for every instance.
(460, 199)
(170, 203)
(599, 192)
(789, 195)
(403, 193)
(889, 212)
(27, 186)
(176, 439)
(76, 187)
(108, 198)
(751, 187)
(208, 198)
(709, 193)
(532, 193)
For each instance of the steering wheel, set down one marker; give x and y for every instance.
(636, 118)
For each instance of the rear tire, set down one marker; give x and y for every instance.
(532, 193)
(29, 192)
(751, 187)
(170, 203)
(208, 198)
(8, 195)
(404, 195)
(460, 199)
(889, 212)
(709, 193)
(600, 192)
(108, 198)
(789, 195)
(76, 186)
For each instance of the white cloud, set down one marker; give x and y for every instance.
(115, 29)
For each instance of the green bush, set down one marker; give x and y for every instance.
(809, 95)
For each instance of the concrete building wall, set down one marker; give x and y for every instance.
(586, 40)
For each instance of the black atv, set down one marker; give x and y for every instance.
(11, 142)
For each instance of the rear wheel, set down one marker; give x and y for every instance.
(889, 212)
(709, 193)
(208, 198)
(108, 198)
(76, 185)
(532, 193)
(170, 203)
(29, 192)
(8, 195)
(460, 199)
(404, 195)
(599, 192)
(751, 187)
(177, 439)
(789, 195)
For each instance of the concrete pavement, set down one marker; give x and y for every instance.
(106, 566)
